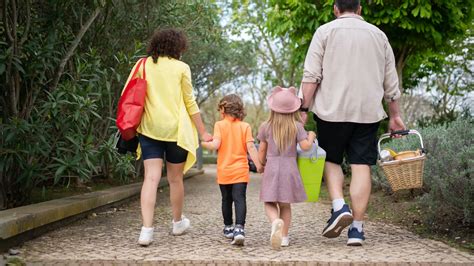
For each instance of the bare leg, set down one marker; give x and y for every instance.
(175, 179)
(271, 209)
(334, 179)
(153, 169)
(360, 190)
(285, 215)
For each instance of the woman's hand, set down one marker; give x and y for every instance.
(206, 137)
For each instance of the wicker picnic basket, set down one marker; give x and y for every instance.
(405, 173)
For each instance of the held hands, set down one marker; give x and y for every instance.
(260, 168)
(206, 145)
(206, 137)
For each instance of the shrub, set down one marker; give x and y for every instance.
(67, 139)
(448, 174)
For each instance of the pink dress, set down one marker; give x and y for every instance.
(281, 180)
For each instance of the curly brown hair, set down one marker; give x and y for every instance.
(232, 105)
(167, 42)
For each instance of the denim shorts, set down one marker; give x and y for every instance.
(157, 149)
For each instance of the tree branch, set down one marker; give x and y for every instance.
(5, 20)
(28, 22)
(73, 47)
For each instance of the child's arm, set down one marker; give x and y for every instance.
(211, 145)
(262, 155)
(254, 154)
(215, 143)
(307, 143)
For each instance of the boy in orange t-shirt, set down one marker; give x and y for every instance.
(233, 139)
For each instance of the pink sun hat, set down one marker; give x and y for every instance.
(284, 100)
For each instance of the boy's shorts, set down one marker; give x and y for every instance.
(153, 149)
(358, 141)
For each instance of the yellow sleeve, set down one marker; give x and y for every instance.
(188, 94)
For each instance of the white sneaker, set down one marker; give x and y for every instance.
(285, 241)
(146, 236)
(180, 227)
(276, 237)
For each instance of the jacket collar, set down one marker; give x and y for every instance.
(351, 15)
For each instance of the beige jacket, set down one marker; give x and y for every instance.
(355, 66)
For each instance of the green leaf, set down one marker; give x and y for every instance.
(60, 171)
(416, 11)
(425, 13)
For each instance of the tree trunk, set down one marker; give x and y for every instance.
(401, 58)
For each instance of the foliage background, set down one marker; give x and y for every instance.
(63, 65)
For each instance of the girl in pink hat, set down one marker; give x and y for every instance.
(281, 182)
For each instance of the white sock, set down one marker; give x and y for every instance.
(147, 229)
(358, 224)
(337, 204)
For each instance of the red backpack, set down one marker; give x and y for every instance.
(131, 104)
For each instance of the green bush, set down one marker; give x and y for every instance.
(448, 174)
(68, 138)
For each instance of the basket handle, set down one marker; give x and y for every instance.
(403, 133)
(314, 158)
(400, 132)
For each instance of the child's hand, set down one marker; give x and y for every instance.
(304, 117)
(260, 169)
(207, 145)
(311, 134)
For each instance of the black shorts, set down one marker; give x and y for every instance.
(358, 141)
(153, 149)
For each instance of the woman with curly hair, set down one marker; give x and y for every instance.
(168, 127)
(233, 139)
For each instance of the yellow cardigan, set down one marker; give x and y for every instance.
(169, 104)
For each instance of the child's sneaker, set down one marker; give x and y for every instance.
(229, 231)
(285, 241)
(239, 235)
(180, 227)
(146, 236)
(276, 237)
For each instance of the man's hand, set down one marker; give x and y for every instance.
(206, 137)
(395, 124)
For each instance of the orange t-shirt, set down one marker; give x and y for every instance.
(232, 162)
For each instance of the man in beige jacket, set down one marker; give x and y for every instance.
(348, 71)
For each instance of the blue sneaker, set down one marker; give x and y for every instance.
(239, 235)
(338, 221)
(356, 238)
(229, 231)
